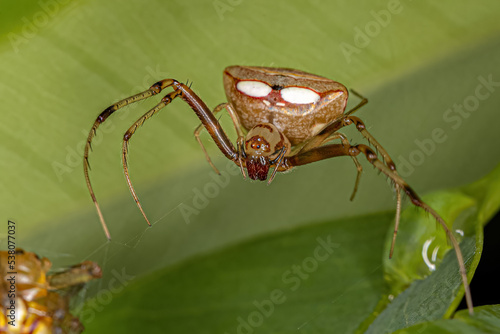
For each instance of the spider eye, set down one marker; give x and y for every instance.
(257, 145)
(254, 88)
(299, 95)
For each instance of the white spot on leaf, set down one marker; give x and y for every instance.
(299, 95)
(425, 250)
(254, 88)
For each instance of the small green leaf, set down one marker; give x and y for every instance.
(418, 299)
(486, 319)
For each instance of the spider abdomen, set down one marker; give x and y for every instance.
(299, 104)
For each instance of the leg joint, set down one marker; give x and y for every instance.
(127, 136)
(161, 85)
(353, 151)
(357, 121)
(106, 113)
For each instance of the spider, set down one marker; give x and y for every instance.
(283, 118)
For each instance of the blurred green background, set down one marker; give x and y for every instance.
(63, 62)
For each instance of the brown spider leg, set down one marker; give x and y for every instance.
(398, 217)
(415, 199)
(237, 126)
(204, 114)
(360, 126)
(279, 161)
(345, 142)
(336, 150)
(197, 132)
(241, 153)
(153, 90)
(164, 102)
(363, 101)
(186, 94)
(241, 137)
(209, 121)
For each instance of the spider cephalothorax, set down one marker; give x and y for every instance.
(291, 117)
(265, 146)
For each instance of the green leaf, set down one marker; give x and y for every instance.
(62, 63)
(466, 210)
(276, 284)
(90, 54)
(317, 279)
(486, 319)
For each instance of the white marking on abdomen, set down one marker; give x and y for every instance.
(254, 88)
(299, 95)
(317, 128)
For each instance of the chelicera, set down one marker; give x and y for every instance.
(284, 118)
